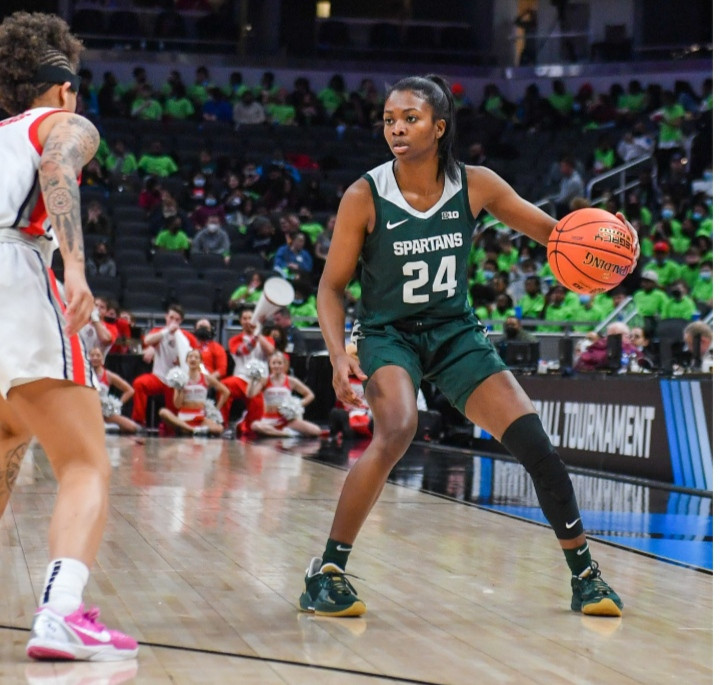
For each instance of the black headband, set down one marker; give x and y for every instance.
(48, 73)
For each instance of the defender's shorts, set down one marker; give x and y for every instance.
(33, 342)
(455, 355)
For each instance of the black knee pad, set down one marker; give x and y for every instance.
(528, 442)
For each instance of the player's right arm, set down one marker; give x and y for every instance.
(69, 142)
(355, 216)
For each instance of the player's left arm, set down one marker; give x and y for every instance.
(488, 191)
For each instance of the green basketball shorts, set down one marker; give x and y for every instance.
(455, 354)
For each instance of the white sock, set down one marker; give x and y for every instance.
(65, 581)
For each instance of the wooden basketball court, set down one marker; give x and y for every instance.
(203, 561)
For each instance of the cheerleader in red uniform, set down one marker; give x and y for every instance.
(283, 411)
(190, 398)
(112, 405)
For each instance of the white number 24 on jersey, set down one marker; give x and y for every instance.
(444, 280)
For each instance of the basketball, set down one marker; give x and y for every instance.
(590, 251)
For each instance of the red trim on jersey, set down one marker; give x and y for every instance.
(33, 130)
(76, 351)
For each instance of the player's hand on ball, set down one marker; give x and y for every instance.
(345, 366)
(636, 240)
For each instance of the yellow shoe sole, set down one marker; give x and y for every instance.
(605, 607)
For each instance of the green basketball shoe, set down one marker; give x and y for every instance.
(592, 595)
(328, 591)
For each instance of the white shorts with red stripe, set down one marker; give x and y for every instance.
(193, 417)
(33, 341)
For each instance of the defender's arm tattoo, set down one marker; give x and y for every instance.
(69, 146)
(10, 468)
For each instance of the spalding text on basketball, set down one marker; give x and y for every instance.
(599, 263)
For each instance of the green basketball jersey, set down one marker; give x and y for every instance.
(414, 264)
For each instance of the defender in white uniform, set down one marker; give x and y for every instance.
(46, 385)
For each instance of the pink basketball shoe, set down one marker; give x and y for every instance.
(77, 636)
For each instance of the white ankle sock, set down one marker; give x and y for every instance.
(65, 581)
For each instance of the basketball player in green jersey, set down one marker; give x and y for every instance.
(409, 223)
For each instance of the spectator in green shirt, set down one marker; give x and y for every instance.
(679, 305)
(690, 270)
(558, 309)
(235, 87)
(333, 95)
(304, 307)
(668, 271)
(172, 237)
(198, 91)
(508, 254)
(247, 293)
(561, 101)
(670, 135)
(121, 163)
(702, 291)
(603, 155)
(177, 105)
(156, 163)
(532, 302)
(700, 216)
(145, 107)
(650, 299)
(588, 311)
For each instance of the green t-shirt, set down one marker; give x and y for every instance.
(146, 110)
(594, 314)
(634, 102)
(680, 243)
(121, 165)
(179, 108)
(242, 291)
(561, 103)
(506, 261)
(312, 229)
(650, 303)
(284, 115)
(702, 291)
(169, 241)
(103, 151)
(667, 272)
(605, 158)
(198, 92)
(306, 309)
(354, 289)
(532, 305)
(162, 165)
(603, 303)
(690, 274)
(668, 133)
(678, 309)
(563, 312)
(482, 313)
(331, 99)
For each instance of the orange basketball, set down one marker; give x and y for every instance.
(590, 251)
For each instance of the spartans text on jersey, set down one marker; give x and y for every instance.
(434, 243)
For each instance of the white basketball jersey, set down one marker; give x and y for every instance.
(21, 202)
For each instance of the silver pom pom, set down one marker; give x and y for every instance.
(255, 369)
(212, 412)
(111, 405)
(291, 408)
(177, 378)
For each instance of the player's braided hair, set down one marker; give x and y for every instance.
(436, 92)
(27, 41)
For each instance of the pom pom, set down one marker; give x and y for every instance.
(177, 378)
(291, 408)
(212, 412)
(111, 405)
(255, 369)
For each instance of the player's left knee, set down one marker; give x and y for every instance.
(528, 442)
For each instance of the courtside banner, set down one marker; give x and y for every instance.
(638, 426)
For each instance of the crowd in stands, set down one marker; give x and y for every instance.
(251, 211)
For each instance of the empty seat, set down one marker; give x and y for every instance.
(197, 303)
(105, 285)
(240, 262)
(143, 302)
(203, 262)
(163, 259)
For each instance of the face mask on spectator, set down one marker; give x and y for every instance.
(584, 299)
(210, 201)
(667, 213)
(213, 227)
(705, 275)
(696, 216)
(199, 182)
(203, 333)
